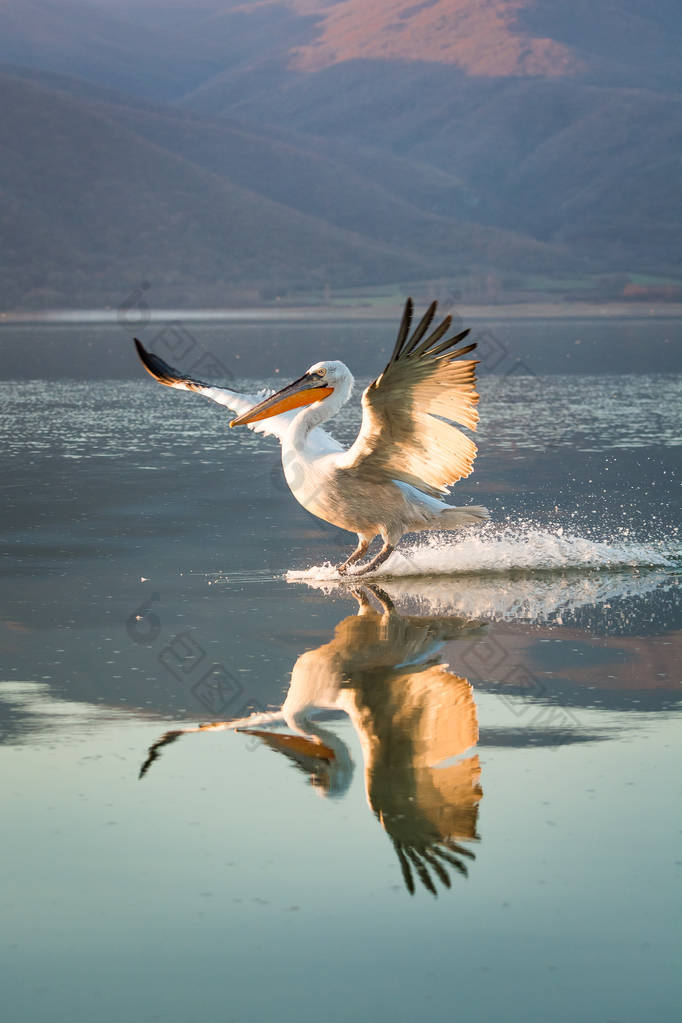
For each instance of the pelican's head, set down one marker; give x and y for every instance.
(320, 382)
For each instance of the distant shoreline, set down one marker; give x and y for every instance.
(354, 312)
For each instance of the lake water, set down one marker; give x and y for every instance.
(478, 815)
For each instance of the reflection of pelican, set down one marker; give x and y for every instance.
(410, 713)
(392, 480)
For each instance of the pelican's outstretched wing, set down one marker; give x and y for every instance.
(401, 437)
(234, 400)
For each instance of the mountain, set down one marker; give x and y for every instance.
(233, 151)
(577, 146)
(481, 39)
(96, 42)
(97, 195)
(163, 49)
(89, 209)
(594, 168)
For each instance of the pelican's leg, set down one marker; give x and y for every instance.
(365, 605)
(387, 605)
(377, 560)
(359, 552)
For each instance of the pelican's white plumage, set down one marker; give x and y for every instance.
(407, 454)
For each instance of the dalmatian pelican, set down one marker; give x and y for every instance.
(393, 478)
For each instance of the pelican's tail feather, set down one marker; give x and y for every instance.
(458, 518)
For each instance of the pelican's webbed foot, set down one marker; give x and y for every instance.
(358, 553)
(377, 560)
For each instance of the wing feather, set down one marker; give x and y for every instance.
(433, 338)
(423, 326)
(404, 433)
(403, 331)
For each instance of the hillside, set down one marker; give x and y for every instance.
(96, 196)
(89, 208)
(163, 49)
(234, 151)
(591, 167)
(297, 173)
(481, 39)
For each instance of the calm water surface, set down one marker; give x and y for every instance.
(459, 793)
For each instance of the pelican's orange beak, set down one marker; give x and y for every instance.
(305, 391)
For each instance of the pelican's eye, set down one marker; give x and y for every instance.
(322, 372)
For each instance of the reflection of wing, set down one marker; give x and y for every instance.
(424, 716)
(154, 751)
(400, 437)
(431, 856)
(234, 400)
(427, 712)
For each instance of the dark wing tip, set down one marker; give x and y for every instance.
(416, 347)
(405, 325)
(160, 370)
(404, 866)
(142, 352)
(403, 331)
(446, 349)
(422, 327)
(466, 350)
(154, 751)
(152, 363)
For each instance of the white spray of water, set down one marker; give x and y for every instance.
(507, 548)
(538, 598)
(514, 572)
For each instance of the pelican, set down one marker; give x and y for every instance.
(412, 716)
(393, 478)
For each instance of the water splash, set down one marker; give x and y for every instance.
(536, 598)
(502, 549)
(519, 572)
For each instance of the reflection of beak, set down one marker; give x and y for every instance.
(298, 745)
(304, 391)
